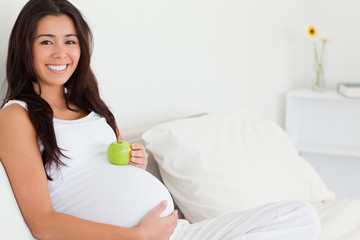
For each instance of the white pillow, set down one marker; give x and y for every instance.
(12, 224)
(224, 162)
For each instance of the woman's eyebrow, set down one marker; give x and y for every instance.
(45, 35)
(71, 35)
(52, 35)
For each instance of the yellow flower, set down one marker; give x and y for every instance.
(311, 31)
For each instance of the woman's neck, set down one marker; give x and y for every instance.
(53, 95)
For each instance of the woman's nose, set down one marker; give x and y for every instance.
(59, 51)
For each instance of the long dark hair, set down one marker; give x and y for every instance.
(82, 87)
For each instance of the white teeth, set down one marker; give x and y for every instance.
(56, 67)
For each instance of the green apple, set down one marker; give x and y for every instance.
(118, 153)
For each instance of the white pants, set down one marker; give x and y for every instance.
(279, 221)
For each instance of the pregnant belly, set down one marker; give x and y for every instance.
(118, 195)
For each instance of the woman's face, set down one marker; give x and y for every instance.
(56, 50)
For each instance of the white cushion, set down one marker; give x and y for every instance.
(12, 224)
(224, 162)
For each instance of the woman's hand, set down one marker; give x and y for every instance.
(155, 227)
(138, 156)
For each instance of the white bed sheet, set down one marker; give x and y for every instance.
(340, 219)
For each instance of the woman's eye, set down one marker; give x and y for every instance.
(70, 42)
(46, 42)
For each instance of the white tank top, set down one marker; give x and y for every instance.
(89, 186)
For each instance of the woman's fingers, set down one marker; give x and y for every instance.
(138, 155)
(160, 208)
(137, 146)
(156, 227)
(174, 220)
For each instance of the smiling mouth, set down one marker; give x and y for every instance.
(57, 68)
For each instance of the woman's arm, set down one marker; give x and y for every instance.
(21, 158)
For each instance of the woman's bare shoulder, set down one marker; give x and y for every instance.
(14, 122)
(13, 114)
(13, 110)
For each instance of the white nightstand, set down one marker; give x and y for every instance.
(325, 128)
(323, 122)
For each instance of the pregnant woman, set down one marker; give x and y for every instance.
(54, 132)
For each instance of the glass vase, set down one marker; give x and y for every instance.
(319, 84)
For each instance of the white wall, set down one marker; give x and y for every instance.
(162, 59)
(177, 58)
